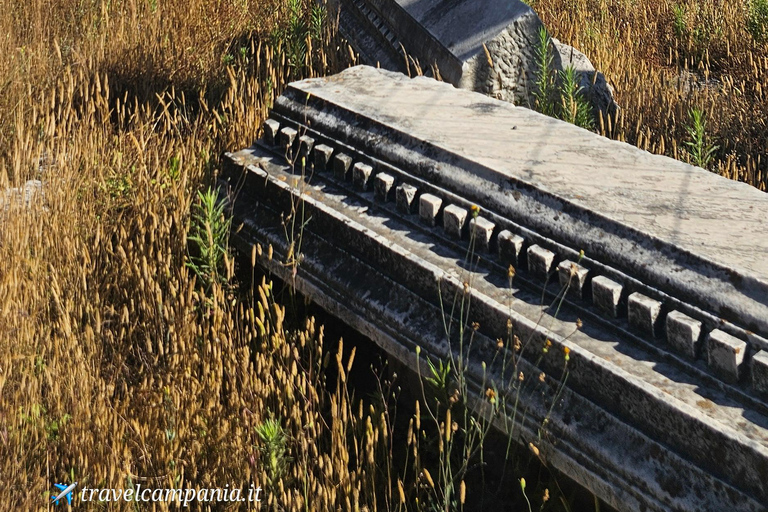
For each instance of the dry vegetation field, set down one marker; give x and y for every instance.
(116, 367)
(667, 57)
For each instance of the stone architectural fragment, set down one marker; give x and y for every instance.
(454, 218)
(271, 128)
(683, 333)
(482, 229)
(361, 174)
(551, 185)
(510, 246)
(643, 313)
(322, 157)
(287, 137)
(725, 355)
(24, 197)
(306, 143)
(487, 46)
(383, 186)
(341, 164)
(760, 372)
(540, 260)
(405, 196)
(606, 295)
(429, 208)
(573, 276)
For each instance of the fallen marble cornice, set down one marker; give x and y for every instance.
(665, 407)
(486, 46)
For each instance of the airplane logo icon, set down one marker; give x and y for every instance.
(66, 490)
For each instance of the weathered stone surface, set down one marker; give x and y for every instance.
(271, 128)
(599, 93)
(482, 229)
(322, 157)
(606, 294)
(510, 246)
(683, 333)
(429, 208)
(405, 197)
(383, 186)
(646, 223)
(645, 215)
(361, 174)
(487, 46)
(725, 355)
(760, 372)
(643, 313)
(373, 272)
(454, 218)
(540, 260)
(306, 143)
(287, 137)
(573, 276)
(341, 164)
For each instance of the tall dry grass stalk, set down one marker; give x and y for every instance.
(112, 372)
(668, 57)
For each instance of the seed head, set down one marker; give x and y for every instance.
(426, 474)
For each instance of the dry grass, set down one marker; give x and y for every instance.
(666, 57)
(114, 370)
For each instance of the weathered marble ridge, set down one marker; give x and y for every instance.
(666, 403)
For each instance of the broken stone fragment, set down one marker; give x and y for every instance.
(487, 46)
(22, 197)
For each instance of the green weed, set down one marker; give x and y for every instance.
(757, 20)
(209, 240)
(575, 108)
(678, 21)
(559, 95)
(274, 449)
(700, 149)
(545, 87)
